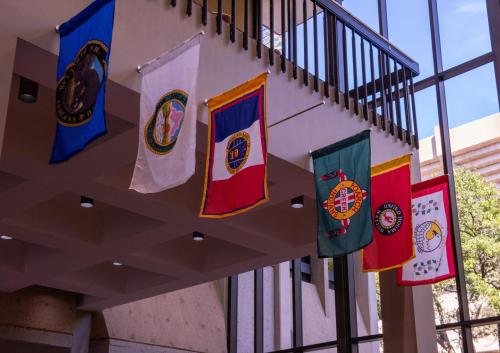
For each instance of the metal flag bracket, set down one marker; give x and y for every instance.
(311, 152)
(140, 67)
(205, 101)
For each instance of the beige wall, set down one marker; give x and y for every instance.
(39, 308)
(474, 145)
(192, 319)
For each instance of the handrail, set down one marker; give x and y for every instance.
(369, 34)
(380, 86)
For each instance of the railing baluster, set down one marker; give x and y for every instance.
(219, 16)
(382, 89)
(204, 12)
(345, 66)
(389, 96)
(407, 107)
(289, 25)
(365, 88)
(326, 87)
(315, 25)
(355, 72)
(398, 102)
(283, 37)
(374, 87)
(414, 112)
(255, 20)
(305, 72)
(271, 21)
(335, 57)
(232, 29)
(294, 30)
(315, 42)
(259, 28)
(245, 25)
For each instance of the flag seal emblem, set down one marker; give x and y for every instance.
(163, 127)
(237, 151)
(388, 218)
(344, 201)
(428, 236)
(78, 88)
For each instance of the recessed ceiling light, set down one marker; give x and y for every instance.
(297, 202)
(5, 237)
(116, 263)
(197, 236)
(28, 90)
(86, 202)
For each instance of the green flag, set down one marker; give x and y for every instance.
(342, 178)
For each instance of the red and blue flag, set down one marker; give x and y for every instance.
(235, 179)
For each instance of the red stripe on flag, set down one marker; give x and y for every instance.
(240, 191)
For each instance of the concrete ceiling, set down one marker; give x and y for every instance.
(61, 245)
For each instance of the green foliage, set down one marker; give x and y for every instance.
(478, 203)
(479, 217)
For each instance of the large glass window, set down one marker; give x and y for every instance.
(463, 26)
(445, 298)
(427, 112)
(486, 338)
(412, 34)
(471, 96)
(365, 10)
(449, 341)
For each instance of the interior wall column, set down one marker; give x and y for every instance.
(81, 332)
(283, 303)
(7, 55)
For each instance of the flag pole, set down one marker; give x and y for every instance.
(205, 101)
(140, 67)
(311, 152)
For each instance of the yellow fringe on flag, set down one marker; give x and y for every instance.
(391, 165)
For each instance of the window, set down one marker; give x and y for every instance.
(463, 25)
(471, 96)
(412, 34)
(365, 10)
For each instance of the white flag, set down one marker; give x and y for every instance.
(432, 235)
(167, 131)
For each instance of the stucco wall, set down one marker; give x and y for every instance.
(38, 308)
(192, 319)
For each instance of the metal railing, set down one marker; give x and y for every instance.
(346, 56)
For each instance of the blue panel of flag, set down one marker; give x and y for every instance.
(85, 43)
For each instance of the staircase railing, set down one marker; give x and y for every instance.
(346, 57)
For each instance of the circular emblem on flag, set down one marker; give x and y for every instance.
(163, 128)
(388, 218)
(428, 236)
(78, 88)
(345, 200)
(237, 151)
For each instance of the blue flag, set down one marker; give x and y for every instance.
(81, 78)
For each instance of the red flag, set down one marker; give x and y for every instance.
(432, 234)
(391, 216)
